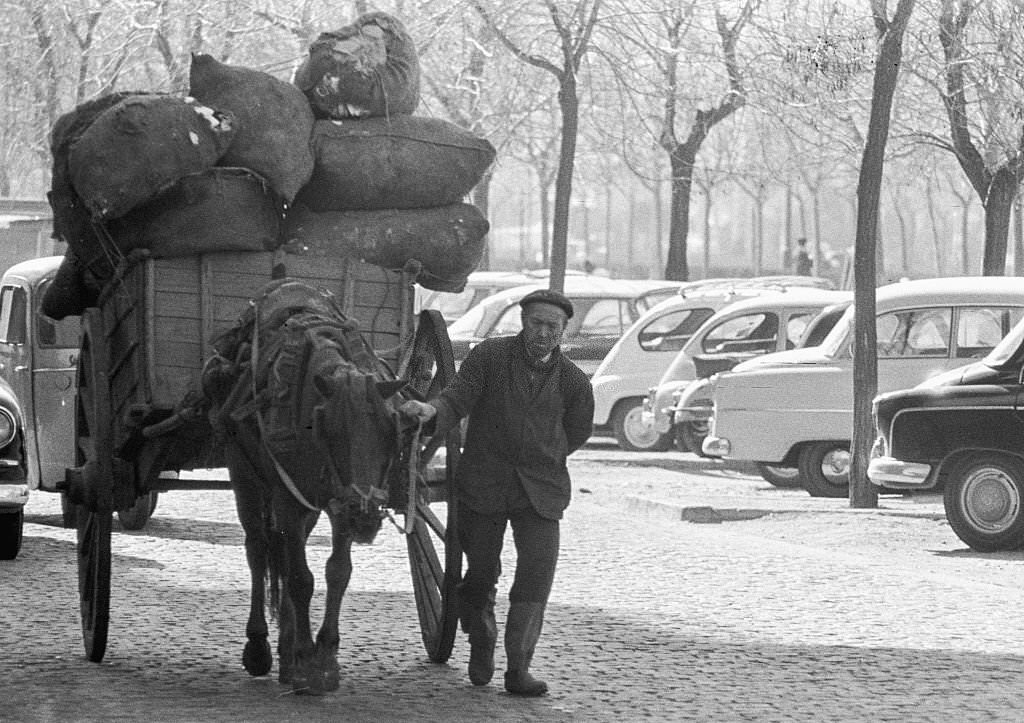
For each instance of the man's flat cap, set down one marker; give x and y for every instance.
(548, 296)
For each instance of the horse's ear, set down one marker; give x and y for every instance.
(389, 389)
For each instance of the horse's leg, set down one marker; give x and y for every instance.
(291, 523)
(249, 501)
(338, 573)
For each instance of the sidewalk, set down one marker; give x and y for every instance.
(712, 490)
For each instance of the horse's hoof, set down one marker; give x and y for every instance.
(257, 658)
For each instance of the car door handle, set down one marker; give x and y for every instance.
(20, 368)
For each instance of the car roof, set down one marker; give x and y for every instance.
(955, 289)
(33, 270)
(585, 287)
(780, 281)
(791, 297)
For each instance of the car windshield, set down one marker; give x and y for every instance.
(1005, 349)
(468, 323)
(833, 344)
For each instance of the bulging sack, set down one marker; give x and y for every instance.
(368, 68)
(140, 146)
(448, 241)
(274, 121)
(220, 209)
(72, 221)
(397, 162)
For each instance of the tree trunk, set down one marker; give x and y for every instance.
(676, 268)
(998, 209)
(869, 184)
(569, 103)
(482, 200)
(1018, 238)
(707, 234)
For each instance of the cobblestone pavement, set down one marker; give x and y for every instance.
(809, 612)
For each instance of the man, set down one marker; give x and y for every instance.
(529, 408)
(803, 259)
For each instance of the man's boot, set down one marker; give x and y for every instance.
(479, 624)
(522, 631)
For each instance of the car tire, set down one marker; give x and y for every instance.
(782, 477)
(630, 434)
(825, 469)
(11, 524)
(136, 516)
(690, 435)
(984, 502)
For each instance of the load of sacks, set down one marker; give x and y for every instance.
(333, 164)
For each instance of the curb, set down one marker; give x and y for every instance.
(710, 514)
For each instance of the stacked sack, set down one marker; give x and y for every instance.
(332, 165)
(386, 185)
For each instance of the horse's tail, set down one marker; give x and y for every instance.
(275, 569)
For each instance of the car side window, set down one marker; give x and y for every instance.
(12, 315)
(671, 331)
(914, 332)
(53, 333)
(604, 318)
(979, 329)
(747, 333)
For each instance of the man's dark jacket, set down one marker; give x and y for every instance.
(517, 434)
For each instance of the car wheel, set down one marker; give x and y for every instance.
(825, 469)
(11, 524)
(630, 431)
(690, 435)
(136, 516)
(983, 502)
(784, 477)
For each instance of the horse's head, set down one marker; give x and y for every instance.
(357, 428)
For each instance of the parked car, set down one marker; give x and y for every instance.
(13, 473)
(640, 357)
(604, 309)
(961, 433)
(797, 409)
(38, 358)
(742, 330)
(480, 285)
(692, 406)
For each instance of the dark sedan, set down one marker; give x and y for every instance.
(962, 432)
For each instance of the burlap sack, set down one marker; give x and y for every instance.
(72, 222)
(142, 145)
(274, 121)
(401, 162)
(448, 241)
(220, 209)
(368, 68)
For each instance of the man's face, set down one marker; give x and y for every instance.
(543, 325)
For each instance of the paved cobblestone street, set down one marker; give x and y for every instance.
(809, 612)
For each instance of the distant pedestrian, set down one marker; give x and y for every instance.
(803, 259)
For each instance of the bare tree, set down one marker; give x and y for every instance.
(869, 186)
(573, 27)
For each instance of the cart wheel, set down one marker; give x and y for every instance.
(95, 466)
(430, 368)
(94, 580)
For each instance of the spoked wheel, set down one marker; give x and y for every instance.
(94, 480)
(430, 367)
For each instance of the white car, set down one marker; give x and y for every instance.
(742, 330)
(798, 411)
(641, 355)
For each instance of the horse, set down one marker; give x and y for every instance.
(307, 416)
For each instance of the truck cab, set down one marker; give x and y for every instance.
(38, 358)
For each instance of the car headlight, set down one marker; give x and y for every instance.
(8, 427)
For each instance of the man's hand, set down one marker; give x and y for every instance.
(420, 411)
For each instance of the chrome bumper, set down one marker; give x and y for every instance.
(897, 474)
(13, 495)
(716, 446)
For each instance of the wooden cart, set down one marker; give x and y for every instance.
(138, 423)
